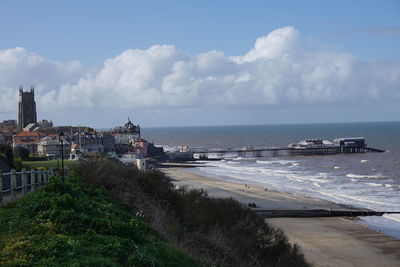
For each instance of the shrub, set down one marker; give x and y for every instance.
(218, 232)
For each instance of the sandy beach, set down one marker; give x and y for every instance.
(325, 241)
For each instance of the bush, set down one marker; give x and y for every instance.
(21, 152)
(72, 224)
(18, 164)
(33, 157)
(218, 232)
(7, 153)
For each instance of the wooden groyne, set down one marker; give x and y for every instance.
(319, 213)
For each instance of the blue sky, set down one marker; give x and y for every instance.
(78, 36)
(91, 30)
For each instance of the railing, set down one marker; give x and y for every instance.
(16, 184)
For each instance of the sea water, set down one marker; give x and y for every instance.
(365, 180)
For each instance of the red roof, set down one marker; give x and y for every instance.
(30, 134)
(6, 130)
(19, 142)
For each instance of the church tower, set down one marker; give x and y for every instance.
(26, 108)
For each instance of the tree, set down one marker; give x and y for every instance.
(7, 153)
(21, 152)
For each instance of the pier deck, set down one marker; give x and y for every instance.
(284, 151)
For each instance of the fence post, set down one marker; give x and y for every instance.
(46, 176)
(33, 180)
(13, 185)
(1, 189)
(51, 172)
(39, 178)
(24, 179)
(42, 177)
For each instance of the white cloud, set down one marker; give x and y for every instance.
(279, 44)
(279, 69)
(21, 67)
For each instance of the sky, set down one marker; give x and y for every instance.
(190, 63)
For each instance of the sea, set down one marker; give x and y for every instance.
(365, 180)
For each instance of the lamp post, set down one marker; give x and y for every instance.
(61, 138)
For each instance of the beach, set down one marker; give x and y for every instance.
(325, 241)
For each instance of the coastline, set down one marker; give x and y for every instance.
(325, 241)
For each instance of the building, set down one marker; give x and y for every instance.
(350, 144)
(45, 124)
(125, 136)
(108, 142)
(7, 135)
(7, 129)
(8, 123)
(50, 146)
(75, 155)
(28, 140)
(31, 127)
(87, 142)
(67, 130)
(26, 108)
(350, 141)
(141, 148)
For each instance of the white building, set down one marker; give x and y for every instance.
(51, 147)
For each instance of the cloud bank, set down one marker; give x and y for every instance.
(281, 69)
(21, 67)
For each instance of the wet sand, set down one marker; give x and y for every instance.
(328, 241)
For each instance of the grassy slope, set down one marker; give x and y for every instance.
(217, 232)
(72, 224)
(49, 163)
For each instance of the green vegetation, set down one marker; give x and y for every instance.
(6, 154)
(48, 163)
(216, 232)
(21, 152)
(72, 224)
(77, 224)
(19, 158)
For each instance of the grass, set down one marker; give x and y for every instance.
(49, 163)
(73, 224)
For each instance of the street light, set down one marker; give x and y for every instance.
(61, 138)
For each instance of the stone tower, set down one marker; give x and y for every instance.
(26, 108)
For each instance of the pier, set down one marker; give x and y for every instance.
(307, 147)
